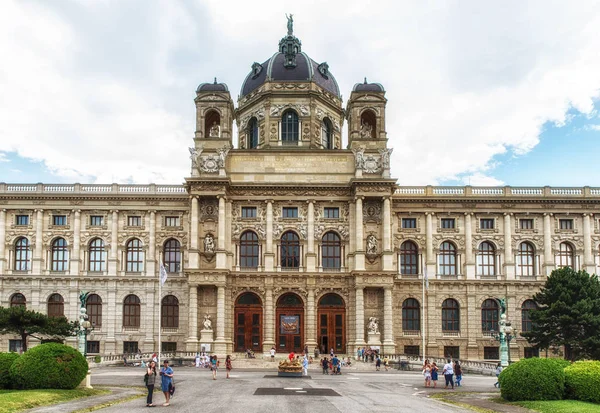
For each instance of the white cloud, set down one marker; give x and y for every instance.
(592, 127)
(3, 157)
(480, 179)
(102, 91)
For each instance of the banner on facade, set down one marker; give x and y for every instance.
(289, 324)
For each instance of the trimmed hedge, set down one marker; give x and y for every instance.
(582, 381)
(534, 379)
(49, 366)
(6, 360)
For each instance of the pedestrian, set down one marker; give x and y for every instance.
(166, 381)
(228, 364)
(335, 364)
(150, 382)
(377, 363)
(498, 371)
(449, 374)
(316, 352)
(306, 350)
(458, 373)
(214, 364)
(272, 353)
(427, 373)
(386, 363)
(434, 374)
(197, 360)
(305, 366)
(325, 365)
(331, 353)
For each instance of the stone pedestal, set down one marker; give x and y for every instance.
(206, 340)
(373, 339)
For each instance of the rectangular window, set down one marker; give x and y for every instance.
(565, 223)
(452, 352)
(171, 221)
(412, 351)
(332, 212)
(526, 223)
(248, 212)
(448, 223)
(134, 221)
(491, 353)
(130, 347)
(96, 220)
(59, 220)
(409, 223)
(167, 346)
(93, 347)
(15, 346)
(486, 223)
(530, 352)
(290, 212)
(22, 220)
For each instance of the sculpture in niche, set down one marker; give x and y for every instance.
(366, 130)
(209, 243)
(195, 156)
(373, 326)
(371, 244)
(359, 157)
(207, 322)
(215, 130)
(385, 157)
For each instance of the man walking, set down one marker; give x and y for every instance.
(448, 374)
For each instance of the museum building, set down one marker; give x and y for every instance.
(290, 240)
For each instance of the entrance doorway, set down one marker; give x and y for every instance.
(248, 323)
(331, 316)
(290, 323)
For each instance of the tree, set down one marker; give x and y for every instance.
(568, 314)
(26, 323)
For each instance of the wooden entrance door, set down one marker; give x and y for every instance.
(290, 324)
(248, 323)
(331, 317)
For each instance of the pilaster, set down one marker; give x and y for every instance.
(220, 343)
(509, 261)
(269, 256)
(311, 257)
(389, 347)
(469, 261)
(113, 264)
(359, 257)
(75, 259)
(151, 259)
(269, 322)
(588, 260)
(39, 242)
(193, 253)
(221, 253)
(548, 251)
(191, 344)
(2, 241)
(311, 332)
(388, 256)
(360, 318)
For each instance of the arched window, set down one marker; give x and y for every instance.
(97, 256)
(60, 255)
(131, 311)
(253, 134)
(486, 259)
(565, 255)
(56, 306)
(212, 124)
(409, 258)
(170, 312)
(18, 300)
(489, 315)
(249, 250)
(331, 250)
(447, 259)
(290, 250)
(526, 309)
(22, 255)
(93, 305)
(327, 134)
(134, 261)
(172, 256)
(411, 315)
(525, 260)
(450, 315)
(290, 129)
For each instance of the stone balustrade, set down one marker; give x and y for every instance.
(86, 189)
(505, 191)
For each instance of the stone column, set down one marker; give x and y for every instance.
(114, 311)
(311, 331)
(220, 345)
(430, 256)
(221, 254)
(269, 256)
(469, 261)
(114, 247)
(39, 242)
(588, 258)
(509, 260)
(75, 259)
(360, 317)
(151, 258)
(193, 253)
(388, 255)
(548, 253)
(2, 241)
(191, 343)
(269, 323)
(311, 257)
(359, 258)
(389, 347)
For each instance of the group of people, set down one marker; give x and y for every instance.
(367, 354)
(332, 363)
(449, 371)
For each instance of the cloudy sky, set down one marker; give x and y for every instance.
(480, 92)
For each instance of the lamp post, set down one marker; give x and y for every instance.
(85, 327)
(504, 336)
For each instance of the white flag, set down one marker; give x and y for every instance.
(425, 277)
(163, 274)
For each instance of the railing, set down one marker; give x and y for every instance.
(504, 191)
(151, 189)
(468, 366)
(137, 358)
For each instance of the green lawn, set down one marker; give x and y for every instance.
(561, 406)
(18, 400)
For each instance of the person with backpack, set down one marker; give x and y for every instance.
(150, 381)
(166, 381)
(458, 373)
(214, 364)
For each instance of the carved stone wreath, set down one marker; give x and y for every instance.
(210, 164)
(371, 165)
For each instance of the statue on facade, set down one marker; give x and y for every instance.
(209, 243)
(385, 157)
(359, 157)
(290, 24)
(207, 323)
(214, 131)
(223, 155)
(371, 244)
(373, 326)
(195, 156)
(366, 130)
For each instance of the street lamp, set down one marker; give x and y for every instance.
(85, 328)
(504, 336)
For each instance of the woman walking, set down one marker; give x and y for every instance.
(213, 366)
(150, 382)
(228, 364)
(166, 381)
(434, 374)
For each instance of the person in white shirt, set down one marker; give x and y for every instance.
(449, 374)
(272, 353)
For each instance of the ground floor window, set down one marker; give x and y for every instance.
(452, 352)
(168, 346)
(530, 352)
(491, 353)
(130, 347)
(15, 345)
(412, 350)
(93, 347)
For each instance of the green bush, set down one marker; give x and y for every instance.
(582, 381)
(534, 379)
(6, 360)
(97, 359)
(49, 366)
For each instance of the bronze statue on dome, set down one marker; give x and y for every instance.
(290, 24)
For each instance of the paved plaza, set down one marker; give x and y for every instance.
(260, 391)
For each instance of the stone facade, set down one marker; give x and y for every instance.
(290, 240)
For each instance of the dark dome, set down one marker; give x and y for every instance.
(212, 87)
(368, 87)
(305, 70)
